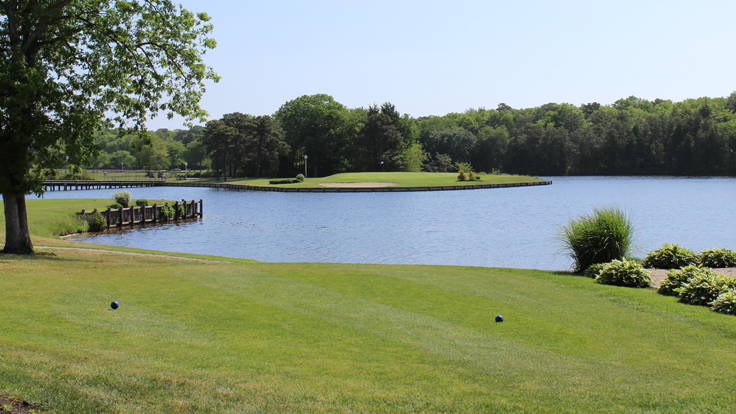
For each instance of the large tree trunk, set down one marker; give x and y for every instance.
(17, 238)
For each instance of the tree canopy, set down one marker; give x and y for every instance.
(69, 68)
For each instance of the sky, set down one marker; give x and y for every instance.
(436, 57)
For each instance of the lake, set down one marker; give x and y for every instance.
(512, 227)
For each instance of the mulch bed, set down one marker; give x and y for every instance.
(10, 405)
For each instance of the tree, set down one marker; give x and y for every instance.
(313, 125)
(196, 154)
(153, 156)
(382, 138)
(217, 139)
(69, 68)
(176, 150)
(264, 144)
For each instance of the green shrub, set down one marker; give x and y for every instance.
(670, 256)
(166, 213)
(300, 177)
(464, 166)
(461, 176)
(83, 176)
(604, 236)
(725, 302)
(122, 198)
(705, 287)
(472, 177)
(594, 270)
(181, 211)
(718, 258)
(96, 221)
(624, 273)
(284, 181)
(141, 202)
(676, 278)
(115, 206)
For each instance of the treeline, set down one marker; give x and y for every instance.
(630, 137)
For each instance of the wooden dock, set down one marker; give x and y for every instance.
(66, 185)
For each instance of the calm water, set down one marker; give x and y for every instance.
(512, 227)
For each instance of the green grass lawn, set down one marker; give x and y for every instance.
(306, 337)
(405, 179)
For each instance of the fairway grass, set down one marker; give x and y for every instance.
(240, 336)
(404, 179)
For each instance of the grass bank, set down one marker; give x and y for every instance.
(313, 337)
(404, 179)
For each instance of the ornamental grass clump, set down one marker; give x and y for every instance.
(725, 302)
(671, 256)
(718, 258)
(624, 273)
(705, 287)
(122, 198)
(676, 278)
(606, 235)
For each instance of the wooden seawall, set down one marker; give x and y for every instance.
(130, 216)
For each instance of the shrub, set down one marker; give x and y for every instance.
(181, 211)
(141, 202)
(677, 278)
(300, 177)
(78, 176)
(594, 270)
(472, 177)
(115, 206)
(96, 221)
(725, 302)
(604, 236)
(718, 258)
(705, 287)
(166, 212)
(461, 176)
(624, 273)
(122, 198)
(284, 181)
(671, 256)
(463, 166)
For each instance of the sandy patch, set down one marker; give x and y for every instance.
(358, 185)
(658, 275)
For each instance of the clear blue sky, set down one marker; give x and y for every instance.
(431, 57)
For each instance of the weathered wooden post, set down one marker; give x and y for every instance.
(176, 211)
(107, 219)
(120, 217)
(200, 207)
(155, 213)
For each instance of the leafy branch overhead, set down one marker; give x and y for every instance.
(69, 68)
